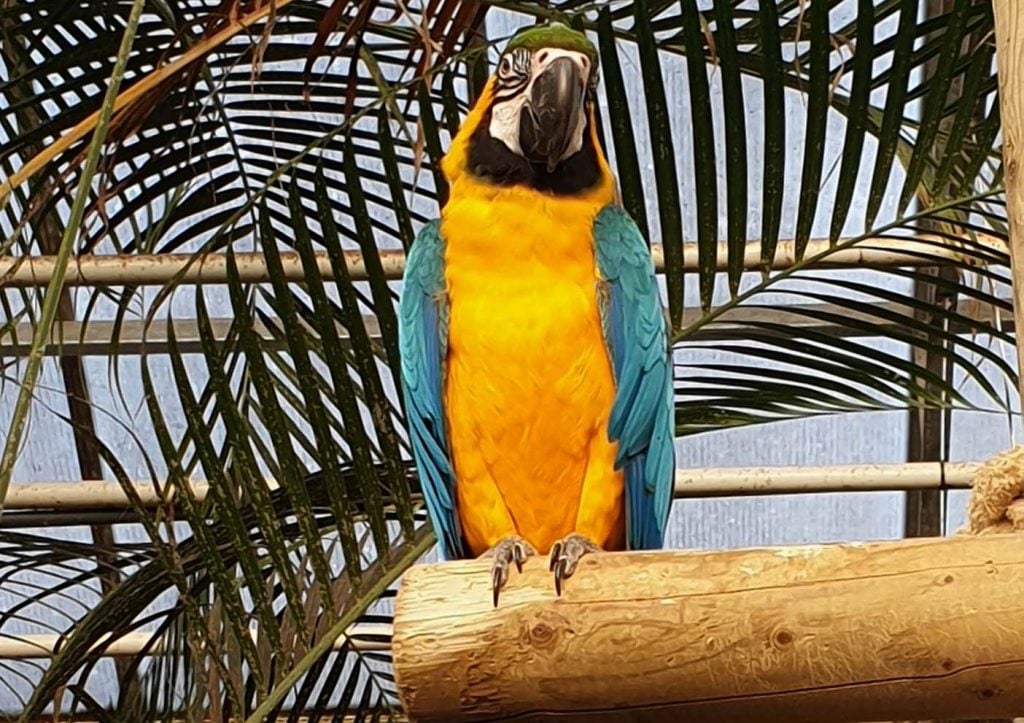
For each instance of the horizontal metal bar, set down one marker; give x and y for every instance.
(96, 337)
(159, 269)
(362, 636)
(746, 481)
(66, 517)
(91, 495)
(720, 482)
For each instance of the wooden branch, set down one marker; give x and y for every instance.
(913, 629)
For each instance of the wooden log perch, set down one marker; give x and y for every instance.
(906, 630)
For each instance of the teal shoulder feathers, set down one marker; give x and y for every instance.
(642, 417)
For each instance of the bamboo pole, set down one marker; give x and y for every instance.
(746, 481)
(91, 495)
(158, 269)
(689, 483)
(912, 629)
(1009, 22)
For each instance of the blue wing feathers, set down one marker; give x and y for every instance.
(642, 415)
(423, 342)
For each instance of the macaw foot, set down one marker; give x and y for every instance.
(508, 550)
(565, 554)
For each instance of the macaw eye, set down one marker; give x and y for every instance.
(505, 69)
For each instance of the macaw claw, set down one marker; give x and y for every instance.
(566, 554)
(512, 549)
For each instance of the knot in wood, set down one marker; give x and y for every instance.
(541, 634)
(545, 630)
(783, 638)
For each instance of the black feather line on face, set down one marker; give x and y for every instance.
(492, 161)
(513, 73)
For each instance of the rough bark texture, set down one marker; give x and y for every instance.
(902, 630)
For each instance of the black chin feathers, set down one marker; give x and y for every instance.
(491, 160)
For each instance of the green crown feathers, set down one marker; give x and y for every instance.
(553, 35)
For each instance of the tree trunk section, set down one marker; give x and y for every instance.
(907, 630)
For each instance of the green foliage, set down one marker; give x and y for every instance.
(326, 152)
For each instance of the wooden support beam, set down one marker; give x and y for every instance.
(905, 630)
(1009, 23)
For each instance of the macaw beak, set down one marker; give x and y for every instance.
(551, 115)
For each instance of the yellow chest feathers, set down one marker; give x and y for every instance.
(510, 234)
(529, 383)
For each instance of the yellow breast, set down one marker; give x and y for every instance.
(529, 383)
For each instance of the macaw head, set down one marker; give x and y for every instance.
(533, 124)
(539, 109)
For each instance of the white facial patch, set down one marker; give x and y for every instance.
(505, 113)
(505, 120)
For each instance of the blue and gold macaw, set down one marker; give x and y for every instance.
(535, 364)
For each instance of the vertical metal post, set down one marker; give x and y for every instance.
(928, 429)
